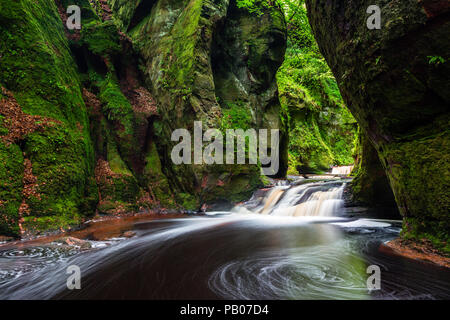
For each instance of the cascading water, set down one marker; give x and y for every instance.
(269, 254)
(311, 199)
(342, 170)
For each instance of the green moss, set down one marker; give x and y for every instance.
(116, 106)
(370, 185)
(322, 130)
(49, 223)
(153, 164)
(88, 14)
(119, 185)
(188, 201)
(241, 187)
(238, 183)
(36, 63)
(58, 158)
(90, 199)
(121, 188)
(187, 32)
(398, 98)
(158, 183)
(123, 11)
(424, 169)
(116, 163)
(37, 66)
(175, 43)
(235, 115)
(114, 207)
(122, 124)
(257, 7)
(178, 50)
(101, 38)
(419, 230)
(11, 175)
(3, 130)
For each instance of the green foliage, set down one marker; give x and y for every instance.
(413, 229)
(51, 223)
(307, 150)
(115, 105)
(436, 60)
(322, 130)
(188, 201)
(101, 38)
(254, 6)
(235, 115)
(411, 179)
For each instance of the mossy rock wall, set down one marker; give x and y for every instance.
(370, 185)
(86, 115)
(396, 82)
(194, 78)
(74, 119)
(121, 112)
(40, 76)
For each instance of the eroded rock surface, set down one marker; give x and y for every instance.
(396, 82)
(103, 101)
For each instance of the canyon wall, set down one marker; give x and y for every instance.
(86, 115)
(396, 82)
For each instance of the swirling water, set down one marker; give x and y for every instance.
(233, 256)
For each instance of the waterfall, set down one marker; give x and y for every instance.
(310, 199)
(342, 170)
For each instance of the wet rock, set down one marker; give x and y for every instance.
(422, 250)
(371, 186)
(396, 83)
(75, 242)
(6, 239)
(128, 234)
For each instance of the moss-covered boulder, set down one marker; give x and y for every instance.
(396, 82)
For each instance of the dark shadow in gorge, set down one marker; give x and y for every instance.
(142, 11)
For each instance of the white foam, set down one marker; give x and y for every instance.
(363, 223)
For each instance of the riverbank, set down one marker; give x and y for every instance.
(104, 228)
(223, 257)
(100, 228)
(416, 250)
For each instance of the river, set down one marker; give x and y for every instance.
(289, 242)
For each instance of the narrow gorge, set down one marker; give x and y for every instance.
(87, 123)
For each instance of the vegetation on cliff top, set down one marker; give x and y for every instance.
(322, 130)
